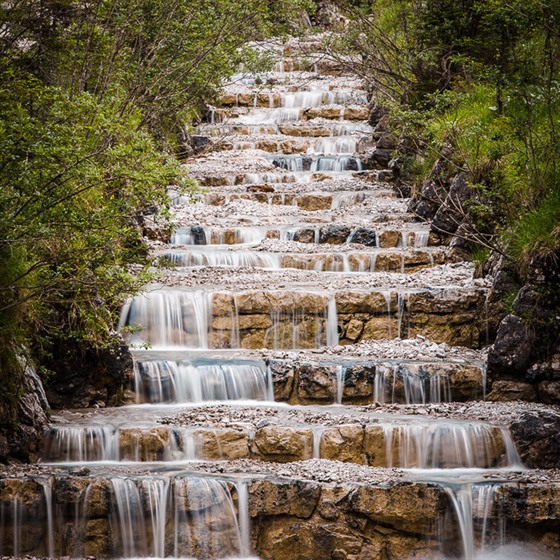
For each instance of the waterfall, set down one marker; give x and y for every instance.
(397, 383)
(223, 259)
(186, 517)
(243, 517)
(167, 319)
(436, 445)
(182, 381)
(340, 379)
(332, 322)
(473, 502)
(81, 443)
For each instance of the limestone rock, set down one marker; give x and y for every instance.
(343, 443)
(334, 234)
(412, 509)
(297, 498)
(314, 201)
(512, 390)
(282, 444)
(512, 349)
(537, 438)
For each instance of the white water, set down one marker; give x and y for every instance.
(439, 445)
(167, 318)
(181, 381)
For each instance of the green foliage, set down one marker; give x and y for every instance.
(484, 77)
(537, 231)
(96, 103)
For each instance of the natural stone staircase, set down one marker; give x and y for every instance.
(306, 391)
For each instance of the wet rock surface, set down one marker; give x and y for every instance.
(296, 174)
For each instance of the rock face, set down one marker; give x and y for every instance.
(526, 346)
(513, 346)
(84, 376)
(537, 437)
(21, 430)
(289, 518)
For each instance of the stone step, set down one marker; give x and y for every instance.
(384, 237)
(281, 197)
(441, 435)
(302, 319)
(298, 97)
(218, 125)
(389, 442)
(304, 380)
(403, 261)
(157, 514)
(279, 145)
(282, 116)
(277, 176)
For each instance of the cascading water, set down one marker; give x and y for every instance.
(436, 446)
(165, 512)
(167, 319)
(182, 381)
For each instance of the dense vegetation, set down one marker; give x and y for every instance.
(484, 76)
(96, 105)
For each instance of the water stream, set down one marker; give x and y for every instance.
(144, 504)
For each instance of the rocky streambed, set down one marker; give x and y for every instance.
(309, 376)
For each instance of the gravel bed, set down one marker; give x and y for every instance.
(254, 417)
(319, 470)
(413, 349)
(459, 275)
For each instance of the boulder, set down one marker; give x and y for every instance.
(512, 348)
(343, 443)
(85, 376)
(314, 201)
(537, 438)
(512, 390)
(334, 234)
(364, 236)
(282, 444)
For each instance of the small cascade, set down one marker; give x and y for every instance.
(315, 163)
(332, 323)
(434, 445)
(421, 239)
(205, 235)
(75, 444)
(294, 329)
(244, 520)
(247, 259)
(334, 145)
(394, 383)
(167, 319)
(340, 379)
(80, 443)
(473, 505)
(182, 381)
(282, 115)
(342, 199)
(183, 517)
(145, 516)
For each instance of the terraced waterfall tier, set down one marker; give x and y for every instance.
(309, 374)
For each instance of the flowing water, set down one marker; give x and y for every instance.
(161, 510)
